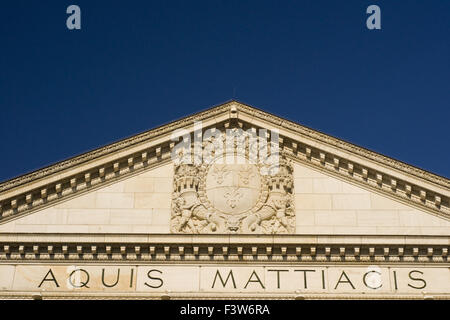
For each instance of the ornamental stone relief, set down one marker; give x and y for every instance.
(233, 197)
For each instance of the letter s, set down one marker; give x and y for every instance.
(161, 282)
(417, 279)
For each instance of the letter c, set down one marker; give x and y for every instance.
(365, 282)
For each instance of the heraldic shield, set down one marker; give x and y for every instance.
(233, 197)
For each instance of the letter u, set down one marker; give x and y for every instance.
(110, 285)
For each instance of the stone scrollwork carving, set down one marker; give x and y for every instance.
(233, 198)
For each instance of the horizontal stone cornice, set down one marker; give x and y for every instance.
(224, 248)
(216, 296)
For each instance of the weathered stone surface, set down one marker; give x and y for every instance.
(331, 212)
(223, 278)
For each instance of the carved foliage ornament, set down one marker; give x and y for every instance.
(223, 197)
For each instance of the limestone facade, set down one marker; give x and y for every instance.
(333, 208)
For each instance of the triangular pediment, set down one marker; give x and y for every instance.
(142, 204)
(134, 212)
(356, 180)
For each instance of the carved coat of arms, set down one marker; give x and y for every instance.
(225, 197)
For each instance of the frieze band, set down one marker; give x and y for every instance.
(60, 252)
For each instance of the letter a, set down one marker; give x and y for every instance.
(374, 20)
(50, 272)
(74, 20)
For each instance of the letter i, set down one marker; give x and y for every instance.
(323, 279)
(395, 280)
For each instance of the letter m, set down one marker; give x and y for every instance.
(224, 283)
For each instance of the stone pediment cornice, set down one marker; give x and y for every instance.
(69, 178)
(108, 149)
(341, 144)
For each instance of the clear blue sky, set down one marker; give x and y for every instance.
(135, 65)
